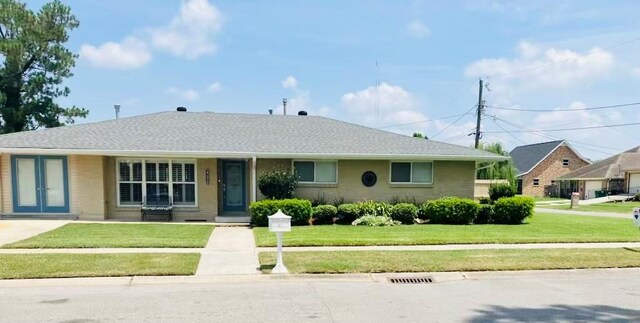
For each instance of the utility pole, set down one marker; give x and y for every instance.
(480, 104)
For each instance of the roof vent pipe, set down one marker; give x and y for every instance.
(302, 113)
(284, 106)
(270, 111)
(181, 109)
(117, 108)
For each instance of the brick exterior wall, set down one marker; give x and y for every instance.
(86, 187)
(450, 178)
(550, 169)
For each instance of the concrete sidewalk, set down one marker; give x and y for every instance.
(247, 256)
(230, 251)
(16, 230)
(577, 212)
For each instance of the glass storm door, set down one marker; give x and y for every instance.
(40, 184)
(233, 186)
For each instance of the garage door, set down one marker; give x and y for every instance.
(591, 187)
(634, 183)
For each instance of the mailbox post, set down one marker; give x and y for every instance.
(636, 216)
(279, 223)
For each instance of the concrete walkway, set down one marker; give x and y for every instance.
(16, 230)
(465, 247)
(576, 212)
(230, 251)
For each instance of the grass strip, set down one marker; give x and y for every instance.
(608, 207)
(20, 266)
(120, 235)
(341, 262)
(540, 228)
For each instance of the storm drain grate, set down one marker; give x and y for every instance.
(411, 280)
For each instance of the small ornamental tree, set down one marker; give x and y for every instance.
(278, 185)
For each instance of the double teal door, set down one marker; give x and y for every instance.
(40, 184)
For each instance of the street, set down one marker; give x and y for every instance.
(584, 295)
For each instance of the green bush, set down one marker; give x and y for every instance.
(484, 200)
(348, 213)
(422, 211)
(324, 214)
(299, 210)
(278, 185)
(512, 210)
(375, 221)
(406, 213)
(636, 197)
(485, 214)
(374, 208)
(497, 191)
(451, 210)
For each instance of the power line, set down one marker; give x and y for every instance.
(562, 110)
(454, 122)
(422, 121)
(571, 129)
(509, 132)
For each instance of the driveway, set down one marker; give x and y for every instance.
(16, 230)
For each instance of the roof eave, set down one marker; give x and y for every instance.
(240, 154)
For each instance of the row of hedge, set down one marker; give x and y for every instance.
(449, 210)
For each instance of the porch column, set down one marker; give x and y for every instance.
(254, 180)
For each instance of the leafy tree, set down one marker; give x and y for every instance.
(33, 66)
(419, 135)
(497, 170)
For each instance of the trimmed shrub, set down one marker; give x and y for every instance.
(348, 213)
(324, 214)
(422, 211)
(484, 200)
(375, 221)
(299, 210)
(451, 210)
(512, 210)
(404, 212)
(374, 208)
(636, 197)
(497, 191)
(485, 214)
(278, 185)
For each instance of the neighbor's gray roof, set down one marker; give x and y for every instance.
(609, 168)
(528, 156)
(232, 134)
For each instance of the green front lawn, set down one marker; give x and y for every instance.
(550, 199)
(540, 228)
(458, 260)
(120, 235)
(21, 266)
(613, 207)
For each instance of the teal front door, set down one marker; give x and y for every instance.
(234, 187)
(40, 184)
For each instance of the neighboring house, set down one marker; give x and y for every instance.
(538, 165)
(208, 163)
(619, 174)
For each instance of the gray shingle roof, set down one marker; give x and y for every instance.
(609, 168)
(228, 134)
(528, 156)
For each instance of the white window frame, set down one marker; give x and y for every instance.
(536, 182)
(144, 179)
(565, 162)
(293, 169)
(410, 182)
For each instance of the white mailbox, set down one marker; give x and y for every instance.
(636, 216)
(279, 222)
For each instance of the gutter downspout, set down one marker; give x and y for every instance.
(254, 181)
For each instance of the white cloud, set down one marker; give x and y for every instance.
(189, 95)
(418, 29)
(290, 83)
(635, 72)
(129, 54)
(214, 87)
(536, 67)
(387, 97)
(191, 33)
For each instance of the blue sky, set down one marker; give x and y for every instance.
(326, 57)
